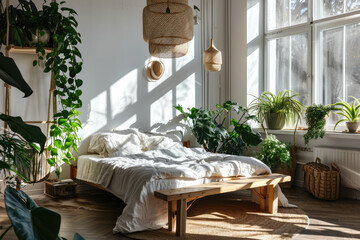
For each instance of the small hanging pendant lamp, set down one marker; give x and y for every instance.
(212, 56)
(168, 26)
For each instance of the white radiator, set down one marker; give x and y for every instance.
(348, 161)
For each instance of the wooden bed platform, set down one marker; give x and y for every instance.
(177, 198)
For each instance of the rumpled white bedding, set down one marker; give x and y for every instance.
(134, 178)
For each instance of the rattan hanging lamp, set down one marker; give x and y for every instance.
(212, 56)
(168, 26)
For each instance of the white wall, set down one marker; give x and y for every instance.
(115, 91)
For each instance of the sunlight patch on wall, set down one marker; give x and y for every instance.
(185, 93)
(123, 93)
(183, 61)
(253, 24)
(97, 115)
(162, 109)
(253, 61)
(167, 74)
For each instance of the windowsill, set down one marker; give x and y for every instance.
(329, 133)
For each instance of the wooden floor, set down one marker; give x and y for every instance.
(93, 214)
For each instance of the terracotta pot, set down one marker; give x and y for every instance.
(352, 126)
(275, 121)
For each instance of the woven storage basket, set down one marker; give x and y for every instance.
(321, 181)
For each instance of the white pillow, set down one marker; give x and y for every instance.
(155, 141)
(107, 144)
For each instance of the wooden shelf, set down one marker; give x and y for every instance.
(38, 122)
(25, 50)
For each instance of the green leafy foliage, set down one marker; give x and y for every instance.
(315, 118)
(31, 222)
(274, 152)
(350, 112)
(284, 103)
(210, 132)
(64, 62)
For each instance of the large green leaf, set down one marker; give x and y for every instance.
(78, 237)
(250, 136)
(30, 222)
(30, 133)
(10, 74)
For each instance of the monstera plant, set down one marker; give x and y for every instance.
(210, 131)
(31, 222)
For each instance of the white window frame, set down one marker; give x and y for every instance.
(313, 27)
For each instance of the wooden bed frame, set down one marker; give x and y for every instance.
(178, 198)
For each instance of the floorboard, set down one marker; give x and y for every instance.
(328, 219)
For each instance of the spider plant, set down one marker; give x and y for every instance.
(350, 112)
(277, 110)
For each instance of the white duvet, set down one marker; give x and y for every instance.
(134, 178)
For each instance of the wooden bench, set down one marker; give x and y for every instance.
(177, 198)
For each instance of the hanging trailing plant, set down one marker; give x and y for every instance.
(316, 119)
(65, 63)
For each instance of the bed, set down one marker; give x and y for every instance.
(134, 169)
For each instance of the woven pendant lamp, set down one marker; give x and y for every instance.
(212, 56)
(168, 26)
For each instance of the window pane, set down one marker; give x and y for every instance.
(331, 7)
(282, 13)
(332, 68)
(352, 5)
(299, 11)
(299, 66)
(288, 65)
(332, 62)
(352, 61)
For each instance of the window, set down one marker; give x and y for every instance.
(312, 47)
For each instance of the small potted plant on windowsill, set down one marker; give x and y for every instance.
(277, 110)
(315, 117)
(350, 112)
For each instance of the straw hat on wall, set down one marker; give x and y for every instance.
(154, 70)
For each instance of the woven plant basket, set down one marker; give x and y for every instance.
(321, 181)
(168, 28)
(38, 169)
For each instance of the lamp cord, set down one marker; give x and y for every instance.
(212, 18)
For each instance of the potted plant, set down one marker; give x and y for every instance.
(209, 130)
(350, 112)
(277, 110)
(276, 155)
(315, 117)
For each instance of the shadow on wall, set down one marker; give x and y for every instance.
(132, 101)
(116, 93)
